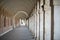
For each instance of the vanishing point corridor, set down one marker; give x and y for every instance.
(29, 19)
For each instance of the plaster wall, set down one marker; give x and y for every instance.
(56, 22)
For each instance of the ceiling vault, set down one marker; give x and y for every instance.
(17, 8)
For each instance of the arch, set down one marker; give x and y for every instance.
(21, 12)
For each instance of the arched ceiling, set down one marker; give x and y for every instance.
(12, 7)
(21, 14)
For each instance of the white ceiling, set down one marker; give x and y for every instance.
(13, 6)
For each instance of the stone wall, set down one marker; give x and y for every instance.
(32, 22)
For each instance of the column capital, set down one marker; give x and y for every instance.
(47, 7)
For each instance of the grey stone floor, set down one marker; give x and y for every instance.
(21, 33)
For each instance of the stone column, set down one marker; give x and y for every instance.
(41, 20)
(47, 9)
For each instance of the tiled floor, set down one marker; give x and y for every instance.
(21, 33)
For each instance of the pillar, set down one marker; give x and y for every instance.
(13, 22)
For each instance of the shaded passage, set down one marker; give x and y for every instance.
(21, 33)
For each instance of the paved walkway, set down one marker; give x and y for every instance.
(21, 33)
